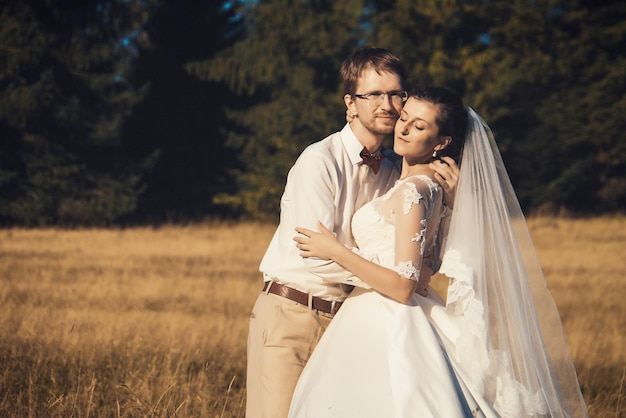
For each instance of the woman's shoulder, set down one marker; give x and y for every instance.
(422, 181)
(416, 189)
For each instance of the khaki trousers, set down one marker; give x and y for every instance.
(281, 338)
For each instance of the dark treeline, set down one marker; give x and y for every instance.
(118, 112)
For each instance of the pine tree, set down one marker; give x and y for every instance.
(181, 115)
(585, 107)
(64, 93)
(548, 77)
(285, 72)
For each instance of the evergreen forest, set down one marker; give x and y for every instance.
(123, 112)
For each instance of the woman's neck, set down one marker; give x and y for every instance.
(414, 169)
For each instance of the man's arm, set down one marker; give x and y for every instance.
(314, 182)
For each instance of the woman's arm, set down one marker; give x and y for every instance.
(399, 283)
(324, 245)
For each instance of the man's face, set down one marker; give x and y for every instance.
(377, 116)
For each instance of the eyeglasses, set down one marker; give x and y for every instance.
(374, 99)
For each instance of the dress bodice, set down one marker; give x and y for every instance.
(375, 226)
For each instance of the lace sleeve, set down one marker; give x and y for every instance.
(411, 203)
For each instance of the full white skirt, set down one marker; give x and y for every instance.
(379, 358)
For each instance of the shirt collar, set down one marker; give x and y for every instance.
(352, 145)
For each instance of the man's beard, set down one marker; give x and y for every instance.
(379, 129)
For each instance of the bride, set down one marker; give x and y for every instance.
(495, 348)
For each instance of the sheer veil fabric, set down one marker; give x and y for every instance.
(503, 330)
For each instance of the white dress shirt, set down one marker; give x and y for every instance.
(327, 183)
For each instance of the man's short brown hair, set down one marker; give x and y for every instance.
(365, 58)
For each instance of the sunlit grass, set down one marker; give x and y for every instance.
(153, 322)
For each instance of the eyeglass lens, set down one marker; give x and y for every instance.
(375, 99)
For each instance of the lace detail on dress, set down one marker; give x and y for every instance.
(411, 197)
(407, 270)
(488, 369)
(420, 235)
(432, 185)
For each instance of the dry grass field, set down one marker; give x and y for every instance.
(152, 322)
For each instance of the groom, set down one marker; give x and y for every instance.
(330, 180)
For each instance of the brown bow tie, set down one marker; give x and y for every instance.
(372, 160)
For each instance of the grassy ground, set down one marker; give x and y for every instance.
(152, 322)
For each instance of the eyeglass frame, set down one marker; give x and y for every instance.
(403, 94)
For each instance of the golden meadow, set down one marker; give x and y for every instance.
(152, 322)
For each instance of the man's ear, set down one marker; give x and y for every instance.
(350, 105)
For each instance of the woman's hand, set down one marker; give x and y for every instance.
(447, 175)
(323, 244)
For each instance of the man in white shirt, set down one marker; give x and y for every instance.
(329, 181)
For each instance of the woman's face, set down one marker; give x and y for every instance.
(416, 133)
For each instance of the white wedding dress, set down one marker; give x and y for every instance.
(505, 352)
(380, 358)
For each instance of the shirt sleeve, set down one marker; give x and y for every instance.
(314, 180)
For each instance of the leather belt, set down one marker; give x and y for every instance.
(313, 302)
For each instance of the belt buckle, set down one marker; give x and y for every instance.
(333, 305)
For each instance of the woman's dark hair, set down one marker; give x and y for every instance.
(451, 116)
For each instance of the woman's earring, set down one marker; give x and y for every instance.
(434, 153)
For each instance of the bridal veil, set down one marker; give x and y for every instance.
(508, 340)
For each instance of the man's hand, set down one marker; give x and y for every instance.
(447, 175)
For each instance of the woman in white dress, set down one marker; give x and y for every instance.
(495, 348)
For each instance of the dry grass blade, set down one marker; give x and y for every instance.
(620, 395)
(230, 386)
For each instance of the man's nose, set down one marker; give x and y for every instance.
(386, 103)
